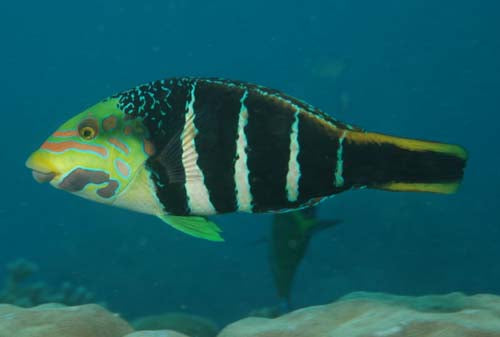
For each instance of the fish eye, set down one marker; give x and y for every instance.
(88, 129)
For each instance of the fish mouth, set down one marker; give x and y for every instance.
(43, 177)
(42, 168)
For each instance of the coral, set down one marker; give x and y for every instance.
(51, 320)
(19, 291)
(355, 315)
(191, 325)
(371, 315)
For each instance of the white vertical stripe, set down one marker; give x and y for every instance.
(339, 171)
(197, 193)
(293, 174)
(243, 194)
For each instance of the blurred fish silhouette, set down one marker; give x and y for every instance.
(290, 236)
(331, 68)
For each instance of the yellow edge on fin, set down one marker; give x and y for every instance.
(443, 188)
(406, 143)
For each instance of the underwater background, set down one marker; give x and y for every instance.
(421, 69)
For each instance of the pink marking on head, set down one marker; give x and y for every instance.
(122, 167)
(109, 123)
(72, 145)
(127, 130)
(149, 148)
(119, 144)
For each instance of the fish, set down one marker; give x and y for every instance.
(291, 233)
(183, 149)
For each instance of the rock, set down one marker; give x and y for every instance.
(381, 315)
(157, 333)
(191, 325)
(266, 312)
(452, 302)
(55, 320)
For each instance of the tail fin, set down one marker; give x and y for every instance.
(399, 164)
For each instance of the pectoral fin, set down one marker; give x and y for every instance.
(196, 226)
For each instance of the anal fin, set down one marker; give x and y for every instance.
(196, 226)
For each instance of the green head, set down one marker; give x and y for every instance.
(95, 154)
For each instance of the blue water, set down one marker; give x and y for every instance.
(416, 68)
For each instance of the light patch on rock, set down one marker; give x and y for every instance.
(388, 332)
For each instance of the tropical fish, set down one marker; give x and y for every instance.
(186, 148)
(290, 236)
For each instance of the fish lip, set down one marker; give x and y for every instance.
(43, 177)
(41, 167)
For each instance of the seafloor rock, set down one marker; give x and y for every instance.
(191, 325)
(266, 312)
(157, 333)
(381, 315)
(55, 320)
(452, 302)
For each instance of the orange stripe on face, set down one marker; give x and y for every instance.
(119, 144)
(69, 133)
(71, 145)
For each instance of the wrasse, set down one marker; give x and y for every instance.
(185, 148)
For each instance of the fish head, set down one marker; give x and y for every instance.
(95, 154)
